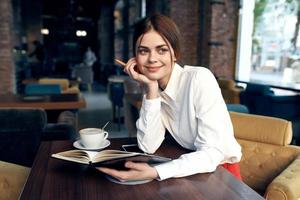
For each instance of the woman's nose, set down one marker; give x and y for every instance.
(152, 57)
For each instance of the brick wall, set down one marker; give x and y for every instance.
(186, 16)
(223, 37)
(213, 45)
(7, 68)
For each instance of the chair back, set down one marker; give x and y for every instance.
(42, 89)
(116, 94)
(20, 134)
(261, 129)
(258, 89)
(256, 98)
(64, 83)
(85, 74)
(230, 92)
(226, 83)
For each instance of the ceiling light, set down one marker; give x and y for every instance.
(45, 31)
(81, 33)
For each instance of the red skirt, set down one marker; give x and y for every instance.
(234, 169)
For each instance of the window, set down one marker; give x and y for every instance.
(269, 46)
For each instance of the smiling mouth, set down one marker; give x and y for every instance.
(153, 69)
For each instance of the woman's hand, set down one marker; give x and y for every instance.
(137, 171)
(133, 72)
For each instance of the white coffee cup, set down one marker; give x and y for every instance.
(93, 137)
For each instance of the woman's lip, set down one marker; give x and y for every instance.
(153, 69)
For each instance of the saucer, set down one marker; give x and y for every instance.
(78, 144)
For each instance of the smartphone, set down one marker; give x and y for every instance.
(132, 148)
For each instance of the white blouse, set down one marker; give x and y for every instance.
(192, 109)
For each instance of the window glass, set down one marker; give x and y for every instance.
(275, 42)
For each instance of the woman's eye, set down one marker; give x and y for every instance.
(142, 51)
(162, 51)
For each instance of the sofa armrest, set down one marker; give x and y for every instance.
(286, 185)
(59, 132)
(12, 179)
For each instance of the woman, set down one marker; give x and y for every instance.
(185, 101)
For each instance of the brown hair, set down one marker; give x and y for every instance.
(164, 25)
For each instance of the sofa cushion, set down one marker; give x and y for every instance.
(64, 83)
(263, 129)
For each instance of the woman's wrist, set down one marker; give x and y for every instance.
(152, 90)
(154, 173)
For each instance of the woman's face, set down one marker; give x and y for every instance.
(154, 57)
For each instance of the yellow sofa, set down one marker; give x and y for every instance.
(269, 165)
(64, 84)
(12, 180)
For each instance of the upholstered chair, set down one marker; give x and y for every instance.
(237, 108)
(64, 84)
(261, 100)
(230, 91)
(22, 131)
(85, 74)
(42, 89)
(269, 165)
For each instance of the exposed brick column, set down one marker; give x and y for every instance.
(223, 37)
(209, 33)
(186, 16)
(7, 68)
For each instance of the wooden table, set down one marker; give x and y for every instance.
(117, 78)
(47, 102)
(56, 179)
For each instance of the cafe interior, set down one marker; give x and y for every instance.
(58, 75)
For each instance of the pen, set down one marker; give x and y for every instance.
(120, 62)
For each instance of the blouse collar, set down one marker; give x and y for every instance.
(173, 84)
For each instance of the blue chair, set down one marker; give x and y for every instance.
(23, 129)
(237, 108)
(261, 100)
(42, 89)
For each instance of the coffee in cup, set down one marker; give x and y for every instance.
(93, 137)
